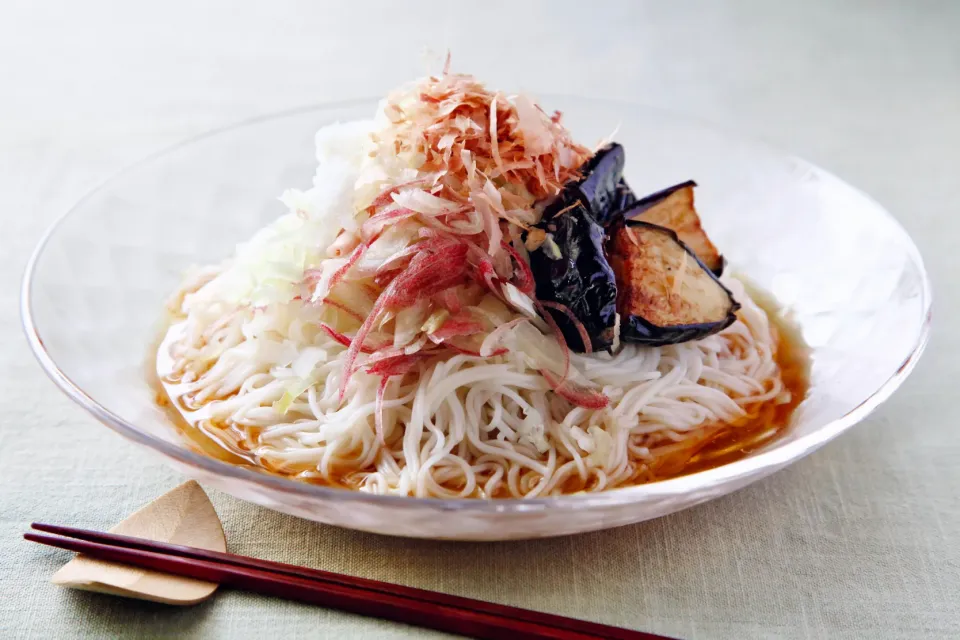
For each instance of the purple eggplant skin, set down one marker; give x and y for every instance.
(581, 278)
(601, 188)
(636, 329)
(601, 178)
(623, 198)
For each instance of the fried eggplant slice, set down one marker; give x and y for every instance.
(665, 294)
(602, 187)
(674, 209)
(570, 268)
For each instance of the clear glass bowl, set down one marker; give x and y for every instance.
(845, 270)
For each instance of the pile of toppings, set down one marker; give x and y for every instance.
(455, 177)
(479, 226)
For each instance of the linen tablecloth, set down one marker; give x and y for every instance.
(859, 540)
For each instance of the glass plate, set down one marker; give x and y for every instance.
(842, 267)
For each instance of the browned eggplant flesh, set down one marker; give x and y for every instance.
(674, 209)
(665, 294)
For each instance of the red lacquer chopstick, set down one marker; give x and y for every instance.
(358, 595)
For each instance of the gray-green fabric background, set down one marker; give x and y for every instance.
(860, 540)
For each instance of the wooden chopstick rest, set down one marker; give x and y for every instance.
(182, 516)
